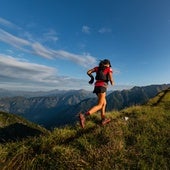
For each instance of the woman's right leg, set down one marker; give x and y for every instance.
(103, 117)
(101, 104)
(103, 109)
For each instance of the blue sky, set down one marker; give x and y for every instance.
(50, 44)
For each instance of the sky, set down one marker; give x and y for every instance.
(50, 44)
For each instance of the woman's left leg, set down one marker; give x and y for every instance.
(101, 104)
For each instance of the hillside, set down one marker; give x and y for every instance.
(13, 128)
(162, 99)
(137, 138)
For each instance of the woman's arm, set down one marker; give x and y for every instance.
(111, 78)
(89, 73)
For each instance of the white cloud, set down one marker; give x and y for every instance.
(17, 74)
(13, 40)
(13, 68)
(84, 60)
(8, 24)
(86, 29)
(105, 30)
(31, 46)
(22, 74)
(42, 51)
(50, 35)
(116, 71)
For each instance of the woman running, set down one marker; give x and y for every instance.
(103, 76)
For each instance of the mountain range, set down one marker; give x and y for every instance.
(58, 108)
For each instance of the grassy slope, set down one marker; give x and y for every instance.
(13, 128)
(141, 142)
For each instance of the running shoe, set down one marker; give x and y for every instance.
(105, 121)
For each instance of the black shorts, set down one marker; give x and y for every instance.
(99, 89)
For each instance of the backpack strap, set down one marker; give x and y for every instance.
(101, 76)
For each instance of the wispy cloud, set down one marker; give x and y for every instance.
(13, 68)
(86, 29)
(8, 24)
(50, 35)
(32, 46)
(23, 74)
(116, 71)
(84, 60)
(13, 40)
(105, 30)
(42, 51)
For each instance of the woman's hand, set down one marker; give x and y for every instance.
(112, 82)
(92, 80)
(89, 73)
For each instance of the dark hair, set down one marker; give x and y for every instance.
(106, 61)
(103, 63)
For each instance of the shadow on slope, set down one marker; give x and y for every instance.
(15, 128)
(17, 131)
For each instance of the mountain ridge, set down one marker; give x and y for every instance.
(28, 94)
(58, 110)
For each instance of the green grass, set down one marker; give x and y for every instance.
(141, 142)
(7, 119)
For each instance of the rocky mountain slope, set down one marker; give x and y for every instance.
(62, 108)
